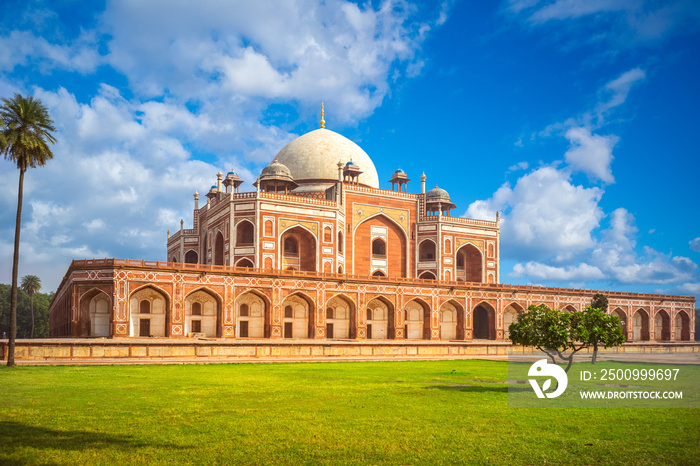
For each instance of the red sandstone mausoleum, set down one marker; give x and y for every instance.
(319, 251)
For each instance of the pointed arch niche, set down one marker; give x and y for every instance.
(202, 313)
(380, 319)
(298, 316)
(252, 316)
(417, 320)
(341, 318)
(298, 247)
(367, 254)
(484, 322)
(149, 313)
(470, 267)
(95, 314)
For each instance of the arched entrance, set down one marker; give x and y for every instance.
(451, 321)
(379, 243)
(640, 326)
(662, 326)
(417, 320)
(95, 314)
(340, 318)
(219, 249)
(426, 251)
(484, 322)
(245, 233)
(191, 257)
(298, 249)
(202, 314)
(682, 326)
(469, 264)
(149, 313)
(380, 319)
(510, 316)
(252, 316)
(620, 314)
(298, 317)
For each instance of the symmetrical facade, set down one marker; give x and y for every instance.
(318, 250)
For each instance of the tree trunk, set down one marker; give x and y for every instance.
(31, 300)
(595, 353)
(15, 271)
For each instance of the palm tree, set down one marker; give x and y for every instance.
(31, 284)
(25, 134)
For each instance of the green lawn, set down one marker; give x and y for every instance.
(308, 413)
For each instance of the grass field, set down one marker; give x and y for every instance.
(308, 413)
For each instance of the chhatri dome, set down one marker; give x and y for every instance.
(313, 159)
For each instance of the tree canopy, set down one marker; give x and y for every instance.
(555, 332)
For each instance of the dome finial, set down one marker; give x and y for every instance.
(323, 122)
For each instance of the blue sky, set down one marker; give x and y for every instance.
(576, 120)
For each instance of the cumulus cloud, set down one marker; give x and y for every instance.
(545, 214)
(614, 258)
(695, 244)
(118, 180)
(591, 153)
(238, 53)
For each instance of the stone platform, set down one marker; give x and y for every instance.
(188, 350)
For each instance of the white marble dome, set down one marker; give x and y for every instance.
(313, 159)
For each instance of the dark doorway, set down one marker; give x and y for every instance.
(287, 330)
(329, 330)
(369, 331)
(196, 326)
(244, 329)
(483, 324)
(144, 327)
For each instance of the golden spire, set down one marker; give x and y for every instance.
(323, 122)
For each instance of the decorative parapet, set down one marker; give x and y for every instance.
(459, 221)
(450, 285)
(382, 192)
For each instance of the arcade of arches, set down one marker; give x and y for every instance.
(341, 319)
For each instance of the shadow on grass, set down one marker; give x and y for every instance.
(500, 388)
(16, 436)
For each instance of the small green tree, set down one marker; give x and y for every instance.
(555, 332)
(542, 328)
(31, 284)
(600, 301)
(597, 328)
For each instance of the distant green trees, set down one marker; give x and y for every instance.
(24, 313)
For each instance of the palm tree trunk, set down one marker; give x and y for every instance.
(31, 300)
(15, 271)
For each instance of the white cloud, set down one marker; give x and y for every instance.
(628, 22)
(545, 214)
(540, 271)
(101, 196)
(20, 48)
(518, 166)
(619, 88)
(695, 244)
(234, 54)
(590, 153)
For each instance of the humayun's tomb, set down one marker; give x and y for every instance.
(318, 253)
